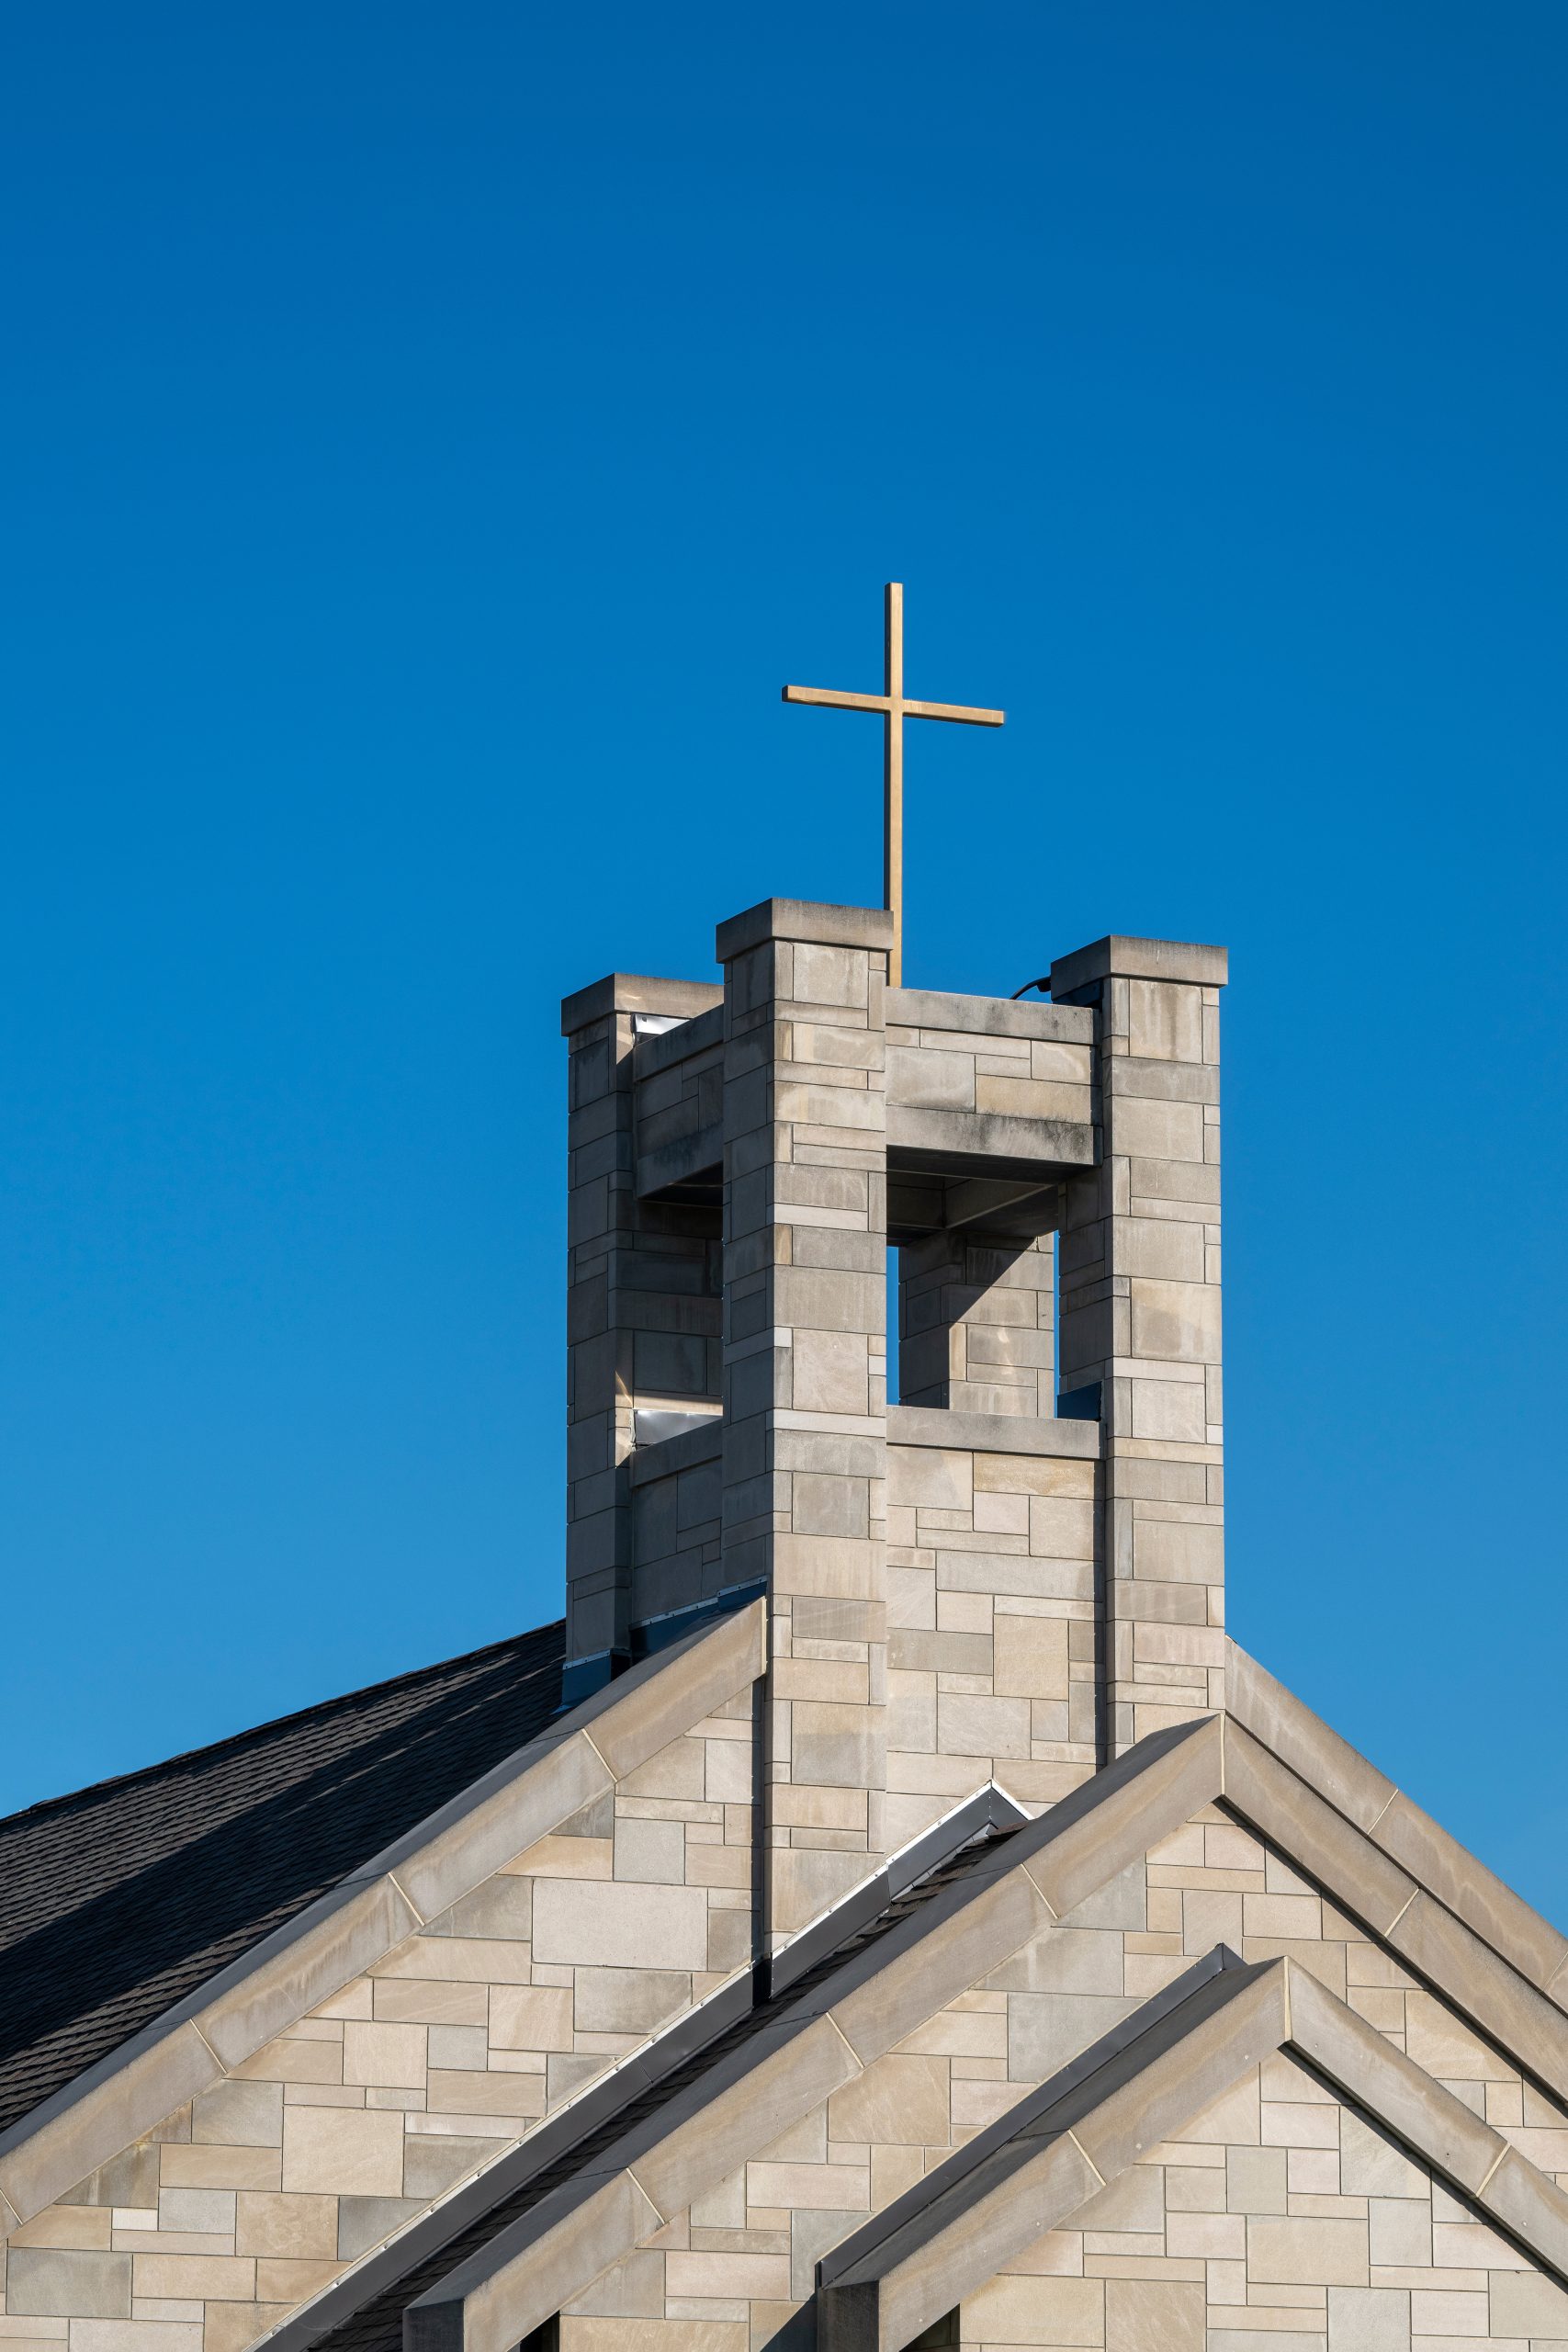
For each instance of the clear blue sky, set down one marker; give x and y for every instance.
(432, 437)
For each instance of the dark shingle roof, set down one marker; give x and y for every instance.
(117, 1901)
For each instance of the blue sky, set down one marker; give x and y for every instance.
(432, 438)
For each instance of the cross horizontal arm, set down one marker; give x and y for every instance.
(825, 697)
(962, 712)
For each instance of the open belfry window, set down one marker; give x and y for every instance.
(973, 1294)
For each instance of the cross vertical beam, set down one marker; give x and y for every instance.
(893, 707)
(893, 775)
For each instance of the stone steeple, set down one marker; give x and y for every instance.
(1015, 1572)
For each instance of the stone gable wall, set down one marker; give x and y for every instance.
(258, 2194)
(736, 2270)
(1281, 2220)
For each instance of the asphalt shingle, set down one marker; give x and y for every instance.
(118, 1900)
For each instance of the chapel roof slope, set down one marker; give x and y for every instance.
(118, 1899)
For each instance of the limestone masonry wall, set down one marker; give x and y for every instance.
(1283, 2220)
(415, 2075)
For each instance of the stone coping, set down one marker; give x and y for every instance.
(1396, 1825)
(993, 1433)
(221, 2023)
(650, 1054)
(1146, 2082)
(1115, 957)
(989, 1016)
(636, 993)
(807, 919)
(906, 1425)
(673, 1455)
(985, 1143)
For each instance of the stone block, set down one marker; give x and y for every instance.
(1399, 2232)
(1159, 1249)
(64, 2283)
(297, 2227)
(1175, 1410)
(85, 2227)
(145, 2333)
(1368, 2319)
(203, 2167)
(831, 1506)
(1176, 1552)
(1036, 2311)
(1307, 2252)
(435, 2162)
(653, 1853)
(233, 2327)
(836, 1745)
(807, 1880)
(345, 2151)
(1045, 2030)
(196, 2278)
(387, 2055)
(974, 1726)
(1155, 1130)
(923, 1080)
(1255, 2180)
(1165, 1020)
(930, 1478)
(532, 2016)
(239, 2115)
(1175, 1322)
(1031, 1098)
(205, 2211)
(653, 2335)
(1031, 1657)
(457, 2046)
(620, 1925)
(726, 2275)
(1154, 2316)
(1061, 1527)
(1524, 2304)
(831, 1373)
(1371, 2165)
(413, 2002)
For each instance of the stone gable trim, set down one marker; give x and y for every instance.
(223, 2023)
(520, 2280)
(1396, 1825)
(1145, 2083)
(1526, 2025)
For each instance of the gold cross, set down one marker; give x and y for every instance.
(894, 708)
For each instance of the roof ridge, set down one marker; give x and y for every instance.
(237, 1739)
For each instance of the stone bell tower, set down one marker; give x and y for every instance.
(1016, 1571)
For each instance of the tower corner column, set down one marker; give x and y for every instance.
(1140, 1320)
(804, 1377)
(617, 1261)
